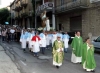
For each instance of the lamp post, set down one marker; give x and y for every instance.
(35, 14)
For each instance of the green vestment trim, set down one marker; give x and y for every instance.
(77, 46)
(58, 56)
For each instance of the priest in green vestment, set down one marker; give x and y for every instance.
(88, 60)
(58, 52)
(77, 48)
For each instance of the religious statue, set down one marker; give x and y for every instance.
(45, 21)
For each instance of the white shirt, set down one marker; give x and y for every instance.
(12, 30)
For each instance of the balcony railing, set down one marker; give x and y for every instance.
(95, 1)
(45, 6)
(78, 4)
(24, 3)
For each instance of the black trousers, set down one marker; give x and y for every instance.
(3, 38)
(43, 50)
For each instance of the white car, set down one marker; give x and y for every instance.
(96, 43)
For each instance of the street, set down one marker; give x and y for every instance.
(27, 63)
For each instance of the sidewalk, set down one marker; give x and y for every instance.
(6, 64)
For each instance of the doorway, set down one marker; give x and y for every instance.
(76, 23)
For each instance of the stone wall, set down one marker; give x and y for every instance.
(63, 20)
(91, 22)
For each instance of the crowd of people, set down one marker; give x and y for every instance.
(82, 52)
(10, 33)
(43, 39)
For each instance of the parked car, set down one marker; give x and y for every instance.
(96, 43)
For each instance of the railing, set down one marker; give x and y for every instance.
(47, 5)
(94, 1)
(24, 3)
(72, 5)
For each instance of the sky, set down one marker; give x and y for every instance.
(5, 3)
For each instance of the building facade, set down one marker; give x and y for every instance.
(12, 12)
(23, 10)
(66, 15)
(78, 15)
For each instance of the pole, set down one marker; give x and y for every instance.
(35, 14)
(11, 17)
(43, 2)
(53, 16)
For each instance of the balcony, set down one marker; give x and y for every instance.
(95, 1)
(24, 4)
(17, 8)
(17, 18)
(24, 15)
(71, 6)
(30, 13)
(48, 6)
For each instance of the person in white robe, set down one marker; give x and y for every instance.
(47, 40)
(43, 44)
(36, 42)
(61, 35)
(23, 40)
(50, 39)
(54, 37)
(30, 35)
(66, 40)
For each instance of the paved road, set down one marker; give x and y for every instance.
(27, 63)
(6, 64)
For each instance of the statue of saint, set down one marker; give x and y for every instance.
(43, 17)
(45, 21)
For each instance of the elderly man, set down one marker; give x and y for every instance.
(88, 60)
(58, 52)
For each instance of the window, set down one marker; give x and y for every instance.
(98, 39)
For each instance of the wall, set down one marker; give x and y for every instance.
(91, 21)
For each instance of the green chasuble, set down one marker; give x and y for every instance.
(77, 46)
(90, 61)
(84, 51)
(58, 56)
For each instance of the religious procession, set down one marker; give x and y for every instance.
(82, 52)
(38, 42)
(50, 36)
